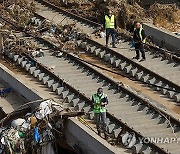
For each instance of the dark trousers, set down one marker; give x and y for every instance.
(110, 31)
(139, 47)
(101, 118)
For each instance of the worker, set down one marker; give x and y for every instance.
(99, 101)
(139, 40)
(131, 30)
(110, 26)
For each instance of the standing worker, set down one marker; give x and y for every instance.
(139, 38)
(110, 26)
(99, 101)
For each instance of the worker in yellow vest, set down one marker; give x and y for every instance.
(110, 26)
(139, 40)
(99, 101)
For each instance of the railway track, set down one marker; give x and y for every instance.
(133, 105)
(129, 116)
(159, 72)
(87, 24)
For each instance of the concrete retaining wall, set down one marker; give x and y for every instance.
(172, 41)
(17, 84)
(76, 133)
(94, 144)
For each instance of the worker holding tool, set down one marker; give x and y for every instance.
(110, 26)
(99, 101)
(139, 39)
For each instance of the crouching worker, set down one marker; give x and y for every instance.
(99, 101)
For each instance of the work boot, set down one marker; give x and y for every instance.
(99, 133)
(136, 57)
(143, 59)
(114, 46)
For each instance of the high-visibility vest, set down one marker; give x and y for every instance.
(140, 35)
(109, 23)
(97, 100)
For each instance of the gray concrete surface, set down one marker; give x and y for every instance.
(76, 133)
(94, 143)
(171, 40)
(10, 101)
(17, 84)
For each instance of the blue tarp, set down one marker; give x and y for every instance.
(8, 90)
(36, 135)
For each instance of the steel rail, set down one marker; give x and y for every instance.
(94, 24)
(144, 69)
(171, 84)
(77, 93)
(115, 84)
(112, 82)
(86, 99)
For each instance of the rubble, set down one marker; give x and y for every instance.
(165, 16)
(85, 8)
(35, 131)
(18, 11)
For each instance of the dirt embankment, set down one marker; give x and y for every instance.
(161, 14)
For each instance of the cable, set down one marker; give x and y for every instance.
(83, 121)
(173, 131)
(124, 75)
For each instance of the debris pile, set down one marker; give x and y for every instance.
(17, 11)
(62, 36)
(161, 15)
(166, 16)
(85, 8)
(36, 131)
(12, 43)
